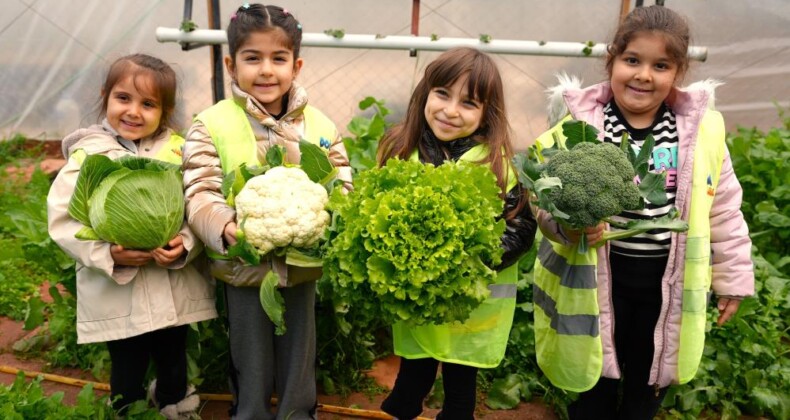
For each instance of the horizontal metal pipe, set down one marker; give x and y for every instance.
(400, 42)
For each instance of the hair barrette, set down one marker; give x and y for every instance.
(245, 6)
(233, 16)
(285, 12)
(299, 26)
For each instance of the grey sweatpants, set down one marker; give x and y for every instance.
(263, 363)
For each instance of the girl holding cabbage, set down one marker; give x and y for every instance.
(117, 208)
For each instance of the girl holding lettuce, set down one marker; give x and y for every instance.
(139, 301)
(457, 113)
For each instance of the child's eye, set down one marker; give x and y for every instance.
(281, 59)
(251, 59)
(122, 97)
(663, 66)
(470, 103)
(150, 104)
(441, 92)
(631, 60)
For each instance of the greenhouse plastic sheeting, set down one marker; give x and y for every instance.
(54, 53)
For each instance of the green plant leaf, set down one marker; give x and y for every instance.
(576, 132)
(652, 188)
(94, 169)
(34, 316)
(642, 161)
(275, 156)
(505, 393)
(272, 301)
(315, 163)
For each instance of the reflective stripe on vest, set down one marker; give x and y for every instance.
(481, 340)
(567, 339)
(708, 159)
(229, 127)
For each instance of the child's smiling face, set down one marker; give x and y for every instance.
(133, 107)
(265, 68)
(642, 78)
(451, 113)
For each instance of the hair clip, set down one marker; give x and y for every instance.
(285, 12)
(245, 6)
(233, 16)
(299, 26)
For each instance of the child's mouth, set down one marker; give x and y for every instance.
(637, 90)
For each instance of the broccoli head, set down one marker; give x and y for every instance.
(597, 183)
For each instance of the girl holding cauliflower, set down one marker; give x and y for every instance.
(137, 300)
(635, 310)
(268, 111)
(457, 113)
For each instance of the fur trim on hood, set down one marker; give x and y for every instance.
(558, 109)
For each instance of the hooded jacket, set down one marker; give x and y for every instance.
(731, 270)
(113, 301)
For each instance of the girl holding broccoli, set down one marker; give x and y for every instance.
(268, 109)
(635, 309)
(138, 301)
(457, 112)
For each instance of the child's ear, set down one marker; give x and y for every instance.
(298, 66)
(230, 67)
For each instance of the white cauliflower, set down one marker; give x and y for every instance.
(282, 207)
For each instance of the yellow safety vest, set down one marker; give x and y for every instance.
(567, 337)
(170, 152)
(481, 340)
(232, 135)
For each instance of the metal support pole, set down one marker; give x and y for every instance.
(217, 79)
(187, 17)
(625, 7)
(415, 23)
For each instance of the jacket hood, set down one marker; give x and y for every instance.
(93, 139)
(569, 93)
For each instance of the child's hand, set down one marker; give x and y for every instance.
(727, 308)
(594, 234)
(166, 255)
(230, 233)
(130, 257)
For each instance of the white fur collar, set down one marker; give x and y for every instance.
(558, 109)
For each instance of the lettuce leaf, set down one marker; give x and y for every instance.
(414, 242)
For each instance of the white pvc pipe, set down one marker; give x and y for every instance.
(399, 42)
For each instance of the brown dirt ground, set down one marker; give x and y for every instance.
(384, 371)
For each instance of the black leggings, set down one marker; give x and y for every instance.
(415, 380)
(636, 311)
(130, 359)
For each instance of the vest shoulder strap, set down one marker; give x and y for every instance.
(318, 128)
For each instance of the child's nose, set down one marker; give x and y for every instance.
(451, 110)
(643, 73)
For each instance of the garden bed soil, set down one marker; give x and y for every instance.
(384, 373)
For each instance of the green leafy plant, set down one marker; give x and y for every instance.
(133, 201)
(760, 161)
(366, 132)
(582, 181)
(335, 33)
(413, 242)
(188, 25)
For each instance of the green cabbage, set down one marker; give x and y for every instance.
(414, 243)
(134, 202)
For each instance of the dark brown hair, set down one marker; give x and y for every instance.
(256, 17)
(658, 20)
(164, 79)
(484, 84)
